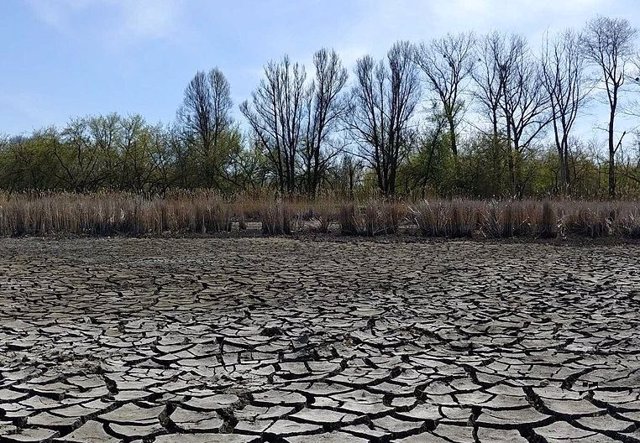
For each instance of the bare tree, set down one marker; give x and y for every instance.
(608, 44)
(447, 63)
(509, 87)
(524, 104)
(564, 82)
(488, 92)
(383, 102)
(276, 115)
(205, 118)
(325, 108)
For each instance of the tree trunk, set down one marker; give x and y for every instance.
(612, 157)
(567, 170)
(512, 169)
(454, 141)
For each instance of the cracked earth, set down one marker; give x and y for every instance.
(278, 340)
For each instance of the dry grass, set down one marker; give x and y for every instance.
(276, 218)
(108, 214)
(548, 221)
(457, 218)
(203, 212)
(527, 218)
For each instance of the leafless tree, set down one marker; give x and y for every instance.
(509, 88)
(608, 45)
(205, 118)
(447, 64)
(524, 104)
(486, 76)
(383, 102)
(564, 82)
(276, 116)
(325, 108)
(488, 92)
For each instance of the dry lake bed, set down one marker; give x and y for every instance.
(279, 340)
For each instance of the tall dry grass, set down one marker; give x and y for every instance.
(106, 214)
(204, 212)
(527, 218)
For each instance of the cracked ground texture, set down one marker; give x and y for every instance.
(279, 340)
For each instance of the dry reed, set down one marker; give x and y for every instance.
(205, 212)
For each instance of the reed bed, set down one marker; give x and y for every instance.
(205, 212)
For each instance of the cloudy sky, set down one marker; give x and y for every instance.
(65, 58)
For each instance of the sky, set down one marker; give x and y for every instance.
(68, 58)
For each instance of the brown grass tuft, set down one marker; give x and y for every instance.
(548, 227)
(276, 218)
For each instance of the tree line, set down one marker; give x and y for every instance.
(460, 115)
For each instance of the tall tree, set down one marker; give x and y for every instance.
(383, 102)
(488, 92)
(276, 115)
(206, 124)
(524, 104)
(608, 44)
(447, 64)
(325, 108)
(564, 82)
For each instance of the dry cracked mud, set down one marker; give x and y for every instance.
(278, 340)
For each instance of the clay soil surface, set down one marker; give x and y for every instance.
(283, 340)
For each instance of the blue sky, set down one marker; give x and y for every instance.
(66, 58)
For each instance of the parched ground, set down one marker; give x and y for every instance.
(249, 340)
